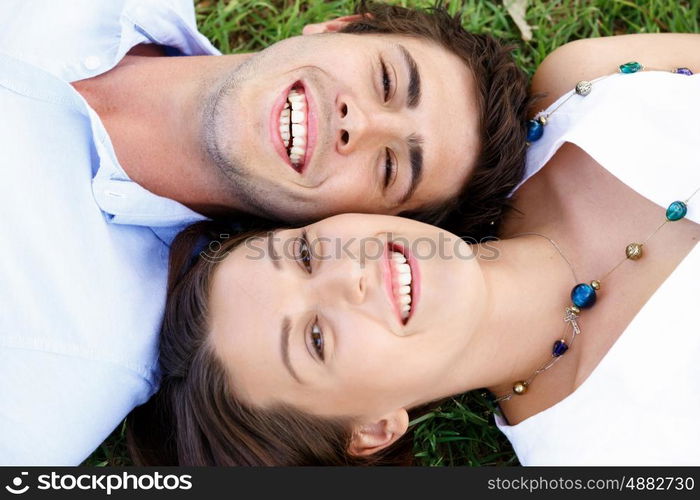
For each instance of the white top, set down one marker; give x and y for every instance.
(83, 249)
(640, 405)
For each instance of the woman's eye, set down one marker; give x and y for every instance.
(389, 168)
(317, 339)
(305, 253)
(386, 82)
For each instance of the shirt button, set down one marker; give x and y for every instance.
(92, 62)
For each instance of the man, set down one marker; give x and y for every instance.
(110, 148)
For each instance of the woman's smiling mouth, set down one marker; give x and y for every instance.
(402, 282)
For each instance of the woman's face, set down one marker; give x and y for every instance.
(317, 317)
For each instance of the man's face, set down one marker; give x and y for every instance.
(324, 124)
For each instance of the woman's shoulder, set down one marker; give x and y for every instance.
(647, 143)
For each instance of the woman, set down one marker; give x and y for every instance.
(278, 351)
(354, 370)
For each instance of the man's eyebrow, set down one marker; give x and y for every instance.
(284, 341)
(415, 153)
(274, 257)
(413, 91)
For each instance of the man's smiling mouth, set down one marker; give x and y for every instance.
(293, 126)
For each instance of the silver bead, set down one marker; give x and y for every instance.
(543, 120)
(584, 87)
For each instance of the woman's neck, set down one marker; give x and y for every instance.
(592, 216)
(531, 280)
(528, 284)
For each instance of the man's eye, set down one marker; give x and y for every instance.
(304, 252)
(389, 169)
(317, 340)
(386, 82)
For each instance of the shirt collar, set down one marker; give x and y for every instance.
(122, 200)
(164, 24)
(126, 202)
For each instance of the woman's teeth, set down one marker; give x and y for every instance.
(293, 126)
(402, 283)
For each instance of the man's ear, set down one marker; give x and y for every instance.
(330, 26)
(374, 436)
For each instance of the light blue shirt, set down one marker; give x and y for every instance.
(83, 249)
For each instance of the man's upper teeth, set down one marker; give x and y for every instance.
(284, 125)
(402, 284)
(297, 97)
(294, 114)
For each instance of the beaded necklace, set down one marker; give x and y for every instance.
(535, 127)
(584, 295)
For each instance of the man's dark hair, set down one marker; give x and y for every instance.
(502, 99)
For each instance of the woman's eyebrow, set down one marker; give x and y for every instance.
(284, 347)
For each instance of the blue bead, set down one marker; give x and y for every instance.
(683, 71)
(534, 130)
(559, 348)
(583, 295)
(676, 211)
(630, 67)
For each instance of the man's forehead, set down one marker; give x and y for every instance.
(445, 172)
(392, 40)
(449, 124)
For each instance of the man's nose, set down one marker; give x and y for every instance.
(365, 126)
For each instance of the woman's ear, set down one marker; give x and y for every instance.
(330, 26)
(372, 437)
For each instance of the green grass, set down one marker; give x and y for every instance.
(460, 432)
(249, 25)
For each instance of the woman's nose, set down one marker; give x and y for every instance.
(345, 280)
